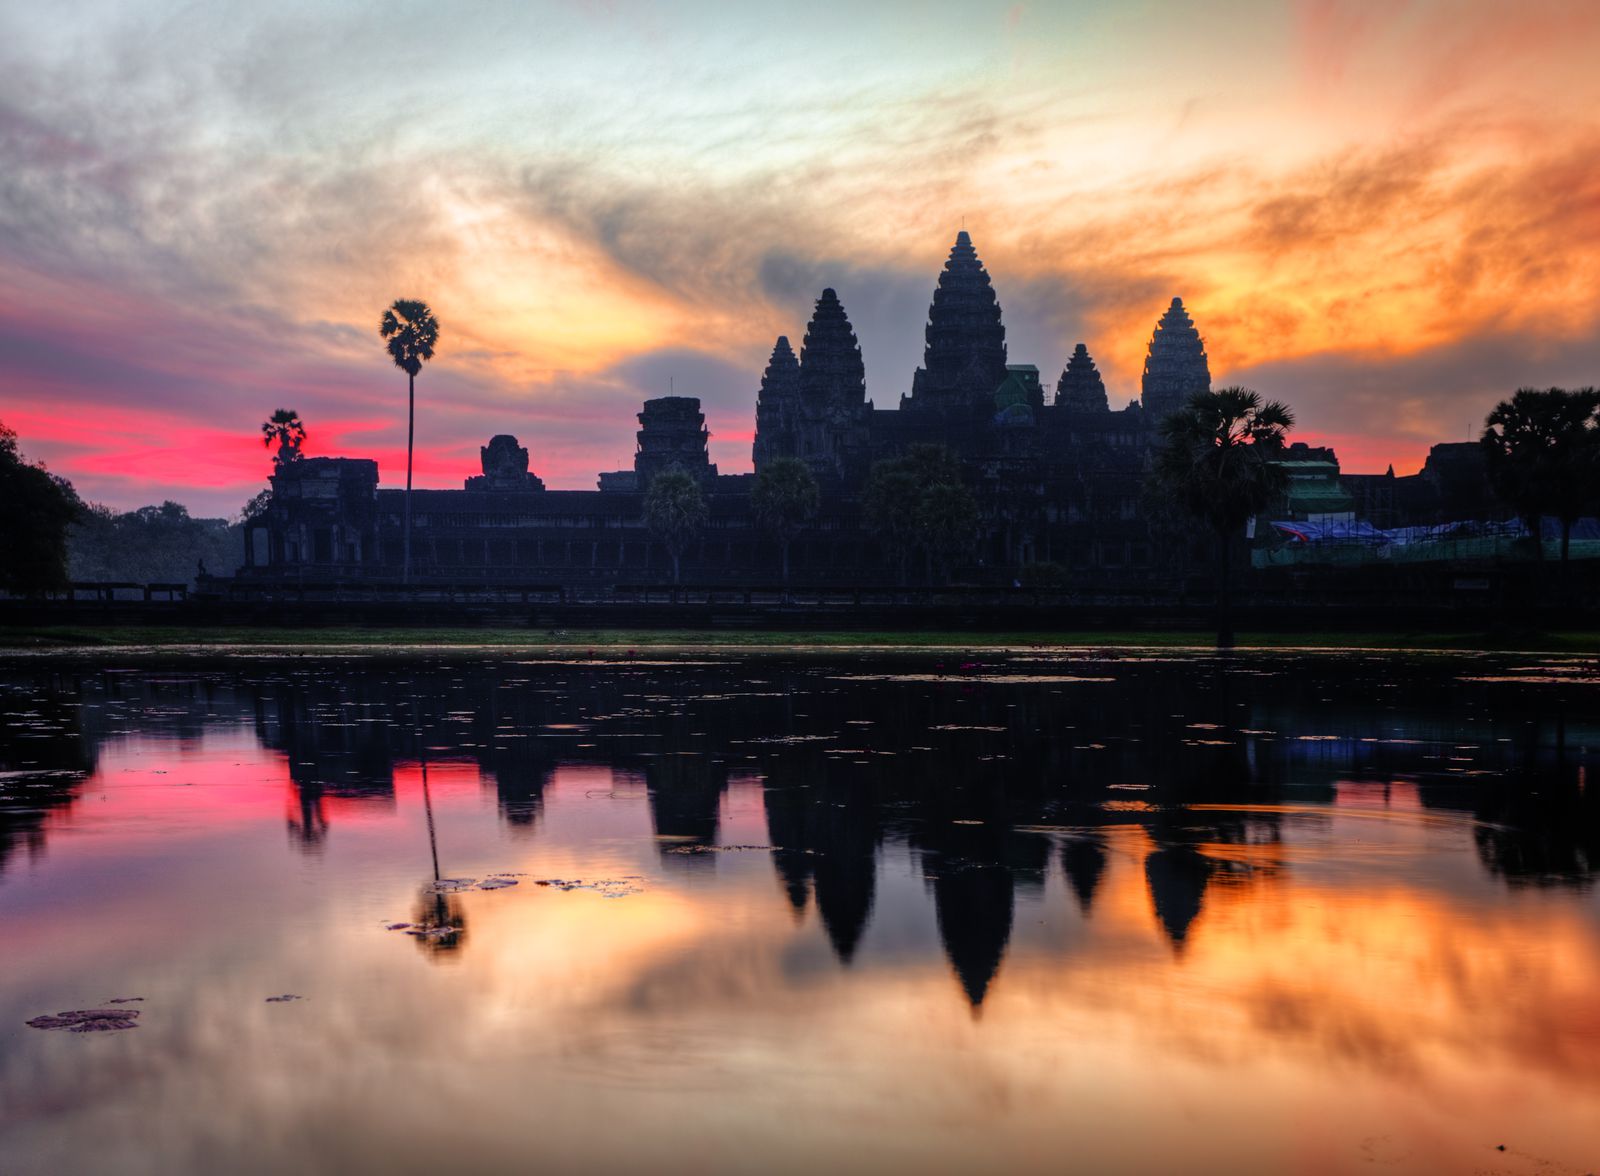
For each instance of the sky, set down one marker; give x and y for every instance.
(1385, 213)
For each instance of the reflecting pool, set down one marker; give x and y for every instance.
(1000, 911)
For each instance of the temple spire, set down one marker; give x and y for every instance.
(831, 370)
(965, 357)
(1080, 388)
(831, 405)
(1176, 367)
(777, 404)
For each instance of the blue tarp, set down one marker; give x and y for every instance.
(1364, 534)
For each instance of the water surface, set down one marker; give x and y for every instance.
(1028, 911)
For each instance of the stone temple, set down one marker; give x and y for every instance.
(1059, 478)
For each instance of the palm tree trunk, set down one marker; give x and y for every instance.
(1224, 592)
(427, 807)
(411, 434)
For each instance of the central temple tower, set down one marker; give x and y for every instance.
(1176, 367)
(965, 358)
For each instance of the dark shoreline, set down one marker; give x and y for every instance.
(617, 643)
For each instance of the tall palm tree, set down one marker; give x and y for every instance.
(288, 431)
(411, 331)
(1218, 462)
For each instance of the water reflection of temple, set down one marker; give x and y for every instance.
(991, 785)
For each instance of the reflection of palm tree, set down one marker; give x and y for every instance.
(438, 915)
(311, 829)
(1539, 826)
(442, 917)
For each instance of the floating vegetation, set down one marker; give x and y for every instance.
(787, 739)
(431, 930)
(287, 996)
(90, 1020)
(452, 885)
(991, 679)
(1571, 679)
(725, 848)
(605, 887)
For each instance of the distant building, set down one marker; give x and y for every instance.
(1313, 492)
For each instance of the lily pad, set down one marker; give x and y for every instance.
(89, 1020)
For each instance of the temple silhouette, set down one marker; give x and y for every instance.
(1058, 478)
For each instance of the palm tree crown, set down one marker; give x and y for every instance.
(1217, 459)
(286, 429)
(411, 331)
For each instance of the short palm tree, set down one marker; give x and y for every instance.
(411, 332)
(285, 429)
(1542, 450)
(1218, 462)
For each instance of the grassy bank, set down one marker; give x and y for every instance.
(579, 642)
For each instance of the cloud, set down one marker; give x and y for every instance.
(202, 211)
(1405, 404)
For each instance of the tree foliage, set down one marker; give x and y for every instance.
(1542, 450)
(256, 507)
(153, 544)
(918, 502)
(947, 524)
(288, 431)
(675, 511)
(1218, 463)
(36, 510)
(1218, 454)
(784, 501)
(411, 332)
